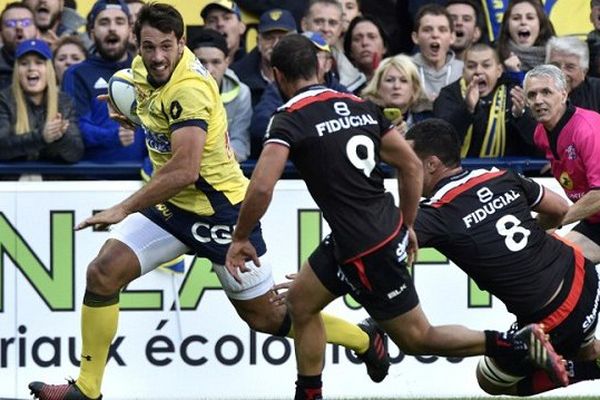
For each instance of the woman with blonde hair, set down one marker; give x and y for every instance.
(396, 88)
(37, 122)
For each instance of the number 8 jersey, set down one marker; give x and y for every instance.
(334, 140)
(481, 220)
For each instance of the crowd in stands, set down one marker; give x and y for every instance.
(415, 60)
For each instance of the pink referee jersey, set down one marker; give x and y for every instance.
(576, 158)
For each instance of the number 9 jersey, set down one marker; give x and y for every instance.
(334, 140)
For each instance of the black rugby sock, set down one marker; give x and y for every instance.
(308, 388)
(499, 344)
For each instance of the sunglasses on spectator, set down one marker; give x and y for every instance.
(23, 22)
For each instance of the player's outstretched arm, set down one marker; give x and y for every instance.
(105, 218)
(587, 205)
(397, 152)
(551, 210)
(268, 169)
(180, 171)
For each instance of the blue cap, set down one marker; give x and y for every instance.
(34, 46)
(276, 20)
(227, 5)
(318, 40)
(102, 5)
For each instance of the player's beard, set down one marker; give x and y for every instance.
(112, 55)
(53, 19)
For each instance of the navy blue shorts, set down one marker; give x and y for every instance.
(207, 236)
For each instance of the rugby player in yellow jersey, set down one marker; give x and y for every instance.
(190, 205)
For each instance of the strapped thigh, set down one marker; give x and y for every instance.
(151, 244)
(255, 283)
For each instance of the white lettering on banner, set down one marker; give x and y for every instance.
(160, 350)
(46, 351)
(352, 121)
(490, 208)
(205, 349)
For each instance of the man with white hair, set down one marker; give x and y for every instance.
(570, 139)
(572, 56)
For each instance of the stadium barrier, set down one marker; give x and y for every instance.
(131, 170)
(178, 337)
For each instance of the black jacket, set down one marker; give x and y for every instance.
(248, 70)
(7, 63)
(451, 107)
(31, 145)
(587, 94)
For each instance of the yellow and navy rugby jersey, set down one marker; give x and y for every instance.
(190, 98)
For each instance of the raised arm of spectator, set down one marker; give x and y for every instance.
(69, 148)
(450, 106)
(520, 117)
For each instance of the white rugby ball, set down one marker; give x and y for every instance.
(121, 93)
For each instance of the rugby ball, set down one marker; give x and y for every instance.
(121, 93)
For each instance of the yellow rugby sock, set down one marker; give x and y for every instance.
(342, 332)
(98, 328)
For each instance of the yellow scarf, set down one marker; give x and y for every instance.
(494, 141)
